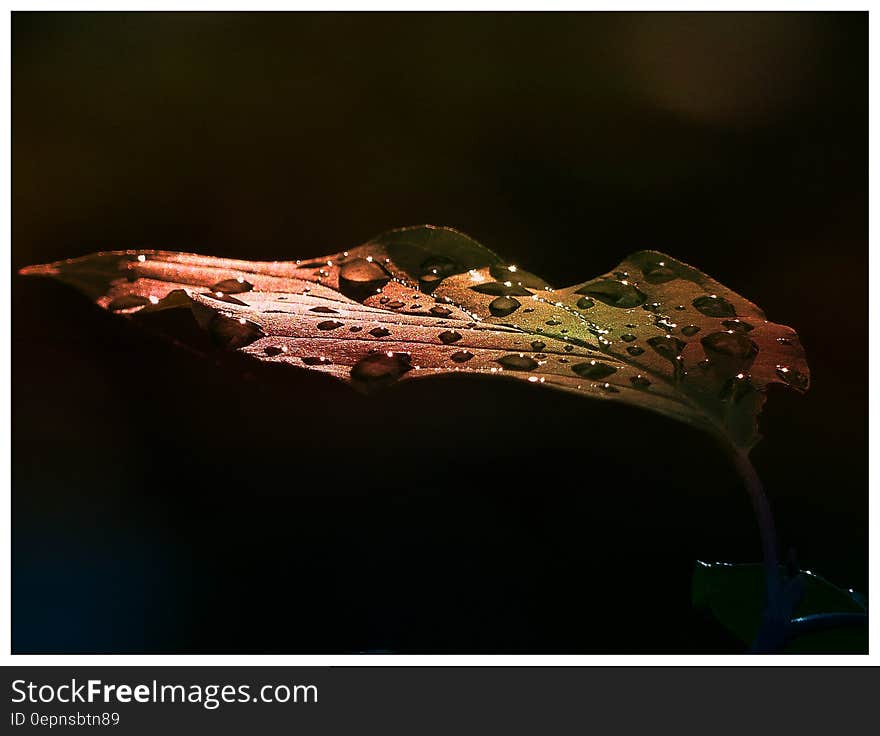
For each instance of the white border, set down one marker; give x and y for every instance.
(380, 660)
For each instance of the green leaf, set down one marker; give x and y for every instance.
(733, 594)
(422, 301)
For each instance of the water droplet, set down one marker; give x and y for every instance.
(732, 344)
(614, 293)
(784, 340)
(356, 328)
(498, 288)
(737, 325)
(640, 381)
(635, 350)
(793, 377)
(593, 369)
(668, 347)
(690, 330)
(714, 306)
(608, 388)
(664, 323)
(380, 369)
(329, 324)
(360, 278)
(316, 360)
(221, 297)
(652, 307)
(585, 303)
(384, 300)
(449, 337)
(380, 332)
(553, 322)
(127, 301)
(461, 356)
(439, 311)
(628, 337)
(517, 362)
(232, 286)
(396, 304)
(323, 310)
(503, 305)
(274, 350)
(658, 274)
(538, 346)
(233, 333)
(679, 307)
(434, 270)
(568, 348)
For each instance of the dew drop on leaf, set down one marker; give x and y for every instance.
(593, 369)
(659, 274)
(232, 286)
(690, 330)
(792, 376)
(439, 311)
(434, 269)
(329, 324)
(732, 344)
(714, 306)
(668, 347)
(360, 278)
(585, 303)
(517, 362)
(461, 356)
(640, 381)
(226, 298)
(232, 333)
(378, 369)
(538, 346)
(503, 305)
(449, 337)
(380, 332)
(737, 325)
(614, 293)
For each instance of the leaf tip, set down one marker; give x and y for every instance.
(40, 269)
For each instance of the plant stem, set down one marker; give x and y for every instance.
(766, 525)
(778, 603)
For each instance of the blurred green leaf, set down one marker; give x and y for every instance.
(733, 593)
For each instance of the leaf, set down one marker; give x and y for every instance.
(733, 594)
(423, 301)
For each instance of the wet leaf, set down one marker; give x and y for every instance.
(422, 301)
(733, 593)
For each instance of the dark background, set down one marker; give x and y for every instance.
(163, 502)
